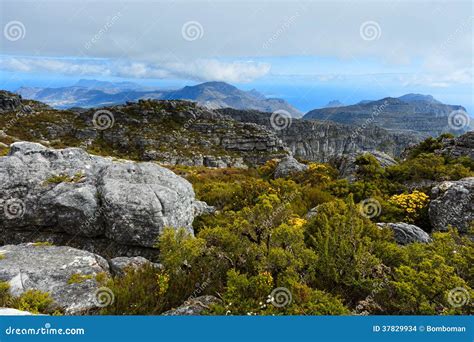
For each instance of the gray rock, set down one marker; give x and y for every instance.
(120, 264)
(452, 204)
(322, 141)
(312, 213)
(346, 164)
(49, 269)
(193, 307)
(72, 192)
(288, 166)
(9, 101)
(405, 233)
(458, 147)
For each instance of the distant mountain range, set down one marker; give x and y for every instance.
(214, 95)
(421, 114)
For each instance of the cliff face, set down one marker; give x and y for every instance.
(323, 140)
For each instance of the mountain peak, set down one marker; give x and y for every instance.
(334, 103)
(412, 97)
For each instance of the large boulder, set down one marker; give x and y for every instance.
(452, 204)
(72, 192)
(67, 274)
(288, 166)
(346, 164)
(193, 306)
(405, 233)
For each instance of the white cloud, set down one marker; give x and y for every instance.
(200, 70)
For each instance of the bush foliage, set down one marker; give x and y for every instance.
(334, 263)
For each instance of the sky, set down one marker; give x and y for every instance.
(307, 52)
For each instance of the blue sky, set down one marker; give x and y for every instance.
(305, 52)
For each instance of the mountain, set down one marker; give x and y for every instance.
(93, 93)
(420, 114)
(334, 103)
(411, 98)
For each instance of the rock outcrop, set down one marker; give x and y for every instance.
(462, 146)
(288, 166)
(67, 274)
(405, 233)
(71, 192)
(452, 204)
(193, 307)
(347, 166)
(9, 101)
(322, 141)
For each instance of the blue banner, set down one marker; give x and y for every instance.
(238, 329)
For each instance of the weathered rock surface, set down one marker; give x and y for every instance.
(193, 307)
(405, 233)
(322, 141)
(9, 101)
(69, 191)
(452, 204)
(288, 166)
(346, 164)
(119, 265)
(50, 269)
(459, 146)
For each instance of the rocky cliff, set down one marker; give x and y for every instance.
(323, 140)
(180, 132)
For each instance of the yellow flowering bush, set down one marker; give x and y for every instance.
(297, 222)
(412, 204)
